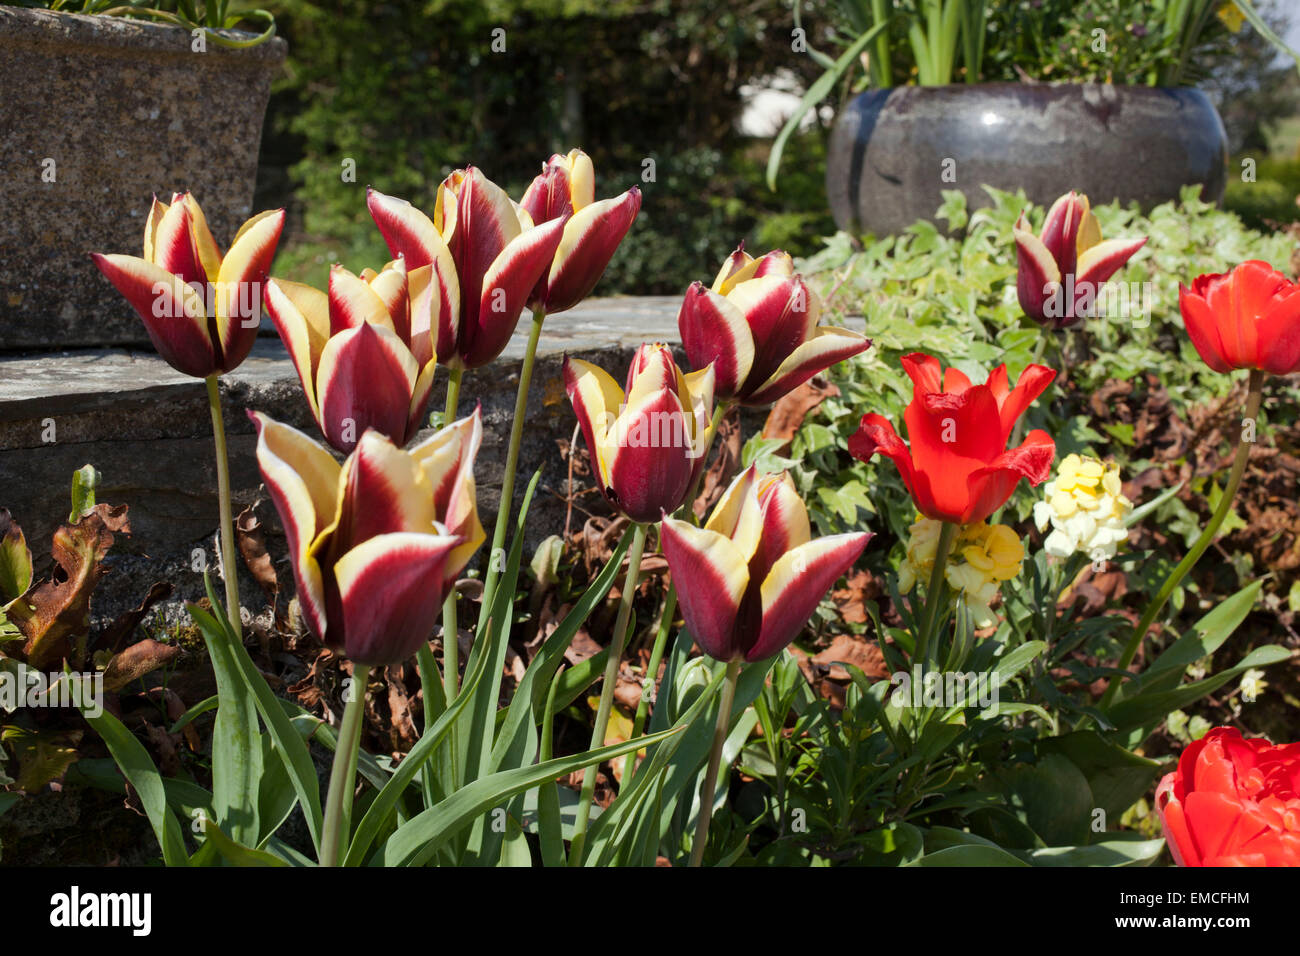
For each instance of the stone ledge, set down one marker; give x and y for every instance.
(146, 428)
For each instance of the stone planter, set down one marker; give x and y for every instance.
(96, 115)
(893, 152)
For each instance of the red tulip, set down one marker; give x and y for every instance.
(592, 230)
(643, 445)
(486, 254)
(958, 468)
(1061, 270)
(376, 542)
(201, 309)
(752, 576)
(758, 326)
(361, 363)
(1246, 318)
(1233, 802)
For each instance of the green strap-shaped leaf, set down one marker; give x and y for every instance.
(417, 840)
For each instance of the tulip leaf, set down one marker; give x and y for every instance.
(289, 744)
(969, 854)
(493, 639)
(382, 807)
(1116, 852)
(235, 852)
(421, 836)
(84, 481)
(236, 739)
(138, 768)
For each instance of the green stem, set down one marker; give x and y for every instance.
(229, 568)
(338, 805)
(1253, 399)
(610, 682)
(670, 599)
(935, 593)
(512, 459)
(450, 644)
(710, 786)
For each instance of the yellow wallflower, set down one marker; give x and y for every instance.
(1085, 507)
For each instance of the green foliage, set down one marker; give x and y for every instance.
(1271, 198)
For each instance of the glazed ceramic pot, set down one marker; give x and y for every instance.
(894, 151)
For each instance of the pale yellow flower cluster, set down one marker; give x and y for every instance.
(1086, 509)
(982, 557)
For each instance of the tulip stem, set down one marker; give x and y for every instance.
(710, 786)
(652, 669)
(512, 459)
(935, 593)
(609, 684)
(450, 644)
(338, 805)
(230, 572)
(1253, 398)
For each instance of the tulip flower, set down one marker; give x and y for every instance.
(1246, 318)
(487, 257)
(592, 230)
(958, 468)
(200, 308)
(1232, 801)
(377, 541)
(752, 576)
(748, 581)
(643, 444)
(363, 359)
(758, 326)
(1062, 269)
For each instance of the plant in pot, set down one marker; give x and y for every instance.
(150, 100)
(1046, 96)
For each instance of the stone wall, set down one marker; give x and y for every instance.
(146, 428)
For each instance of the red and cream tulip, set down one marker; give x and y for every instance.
(592, 230)
(958, 467)
(757, 324)
(364, 359)
(377, 541)
(486, 256)
(749, 580)
(644, 443)
(200, 308)
(1061, 270)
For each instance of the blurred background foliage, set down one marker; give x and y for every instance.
(654, 90)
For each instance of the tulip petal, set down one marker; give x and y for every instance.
(711, 576)
(651, 462)
(1014, 403)
(353, 303)
(435, 311)
(239, 285)
(989, 487)
(381, 492)
(1037, 273)
(737, 515)
(588, 242)
(785, 524)
(827, 347)
(446, 460)
(1174, 824)
(1279, 334)
(173, 245)
(420, 394)
(303, 479)
(390, 594)
(505, 289)
(365, 380)
(738, 267)
(156, 212)
(173, 314)
(781, 313)
(796, 585)
(1103, 260)
(204, 244)
(408, 231)
(1202, 329)
(875, 435)
(714, 331)
(301, 316)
